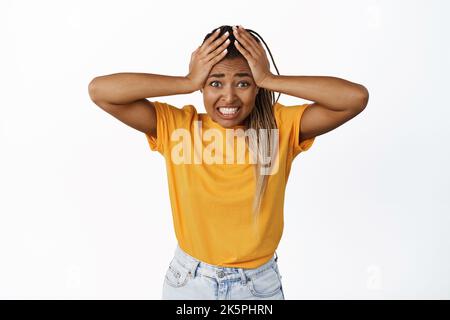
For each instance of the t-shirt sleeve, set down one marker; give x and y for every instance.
(290, 120)
(168, 118)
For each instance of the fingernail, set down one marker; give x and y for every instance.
(218, 30)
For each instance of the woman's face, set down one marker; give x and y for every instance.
(228, 86)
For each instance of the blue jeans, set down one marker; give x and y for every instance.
(188, 278)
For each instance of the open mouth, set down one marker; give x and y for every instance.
(228, 112)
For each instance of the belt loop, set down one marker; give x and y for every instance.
(243, 276)
(193, 268)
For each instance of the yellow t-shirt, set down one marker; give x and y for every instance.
(211, 203)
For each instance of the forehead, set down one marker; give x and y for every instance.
(231, 66)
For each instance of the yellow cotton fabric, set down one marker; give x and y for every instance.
(211, 203)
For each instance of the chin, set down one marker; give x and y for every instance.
(228, 125)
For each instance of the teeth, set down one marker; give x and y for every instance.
(227, 111)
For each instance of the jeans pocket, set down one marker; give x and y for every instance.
(177, 274)
(265, 284)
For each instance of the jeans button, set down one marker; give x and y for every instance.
(221, 274)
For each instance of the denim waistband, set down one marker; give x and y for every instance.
(196, 266)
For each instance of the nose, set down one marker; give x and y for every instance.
(229, 94)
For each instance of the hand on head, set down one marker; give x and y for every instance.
(206, 56)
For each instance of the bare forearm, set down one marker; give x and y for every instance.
(335, 93)
(123, 88)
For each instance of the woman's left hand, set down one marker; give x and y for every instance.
(254, 53)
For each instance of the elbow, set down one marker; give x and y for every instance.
(93, 89)
(362, 98)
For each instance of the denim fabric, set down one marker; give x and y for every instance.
(188, 278)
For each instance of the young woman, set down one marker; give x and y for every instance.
(228, 168)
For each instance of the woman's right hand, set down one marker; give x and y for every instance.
(205, 57)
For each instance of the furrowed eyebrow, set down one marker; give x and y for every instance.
(221, 75)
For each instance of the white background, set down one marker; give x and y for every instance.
(85, 212)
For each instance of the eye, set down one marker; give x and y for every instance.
(244, 82)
